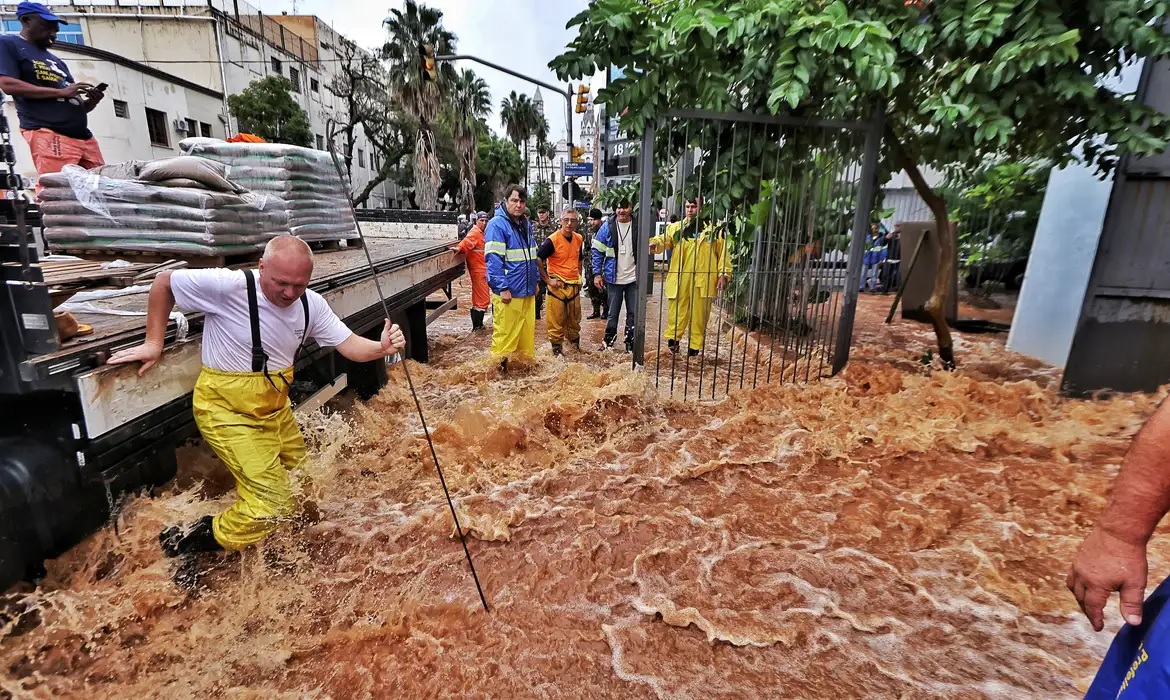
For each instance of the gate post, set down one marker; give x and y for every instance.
(865, 196)
(647, 217)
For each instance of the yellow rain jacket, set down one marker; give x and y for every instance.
(701, 255)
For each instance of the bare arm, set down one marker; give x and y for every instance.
(1113, 556)
(542, 265)
(359, 349)
(19, 88)
(159, 304)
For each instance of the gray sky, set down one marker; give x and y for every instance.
(523, 35)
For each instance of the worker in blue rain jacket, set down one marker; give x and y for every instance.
(513, 276)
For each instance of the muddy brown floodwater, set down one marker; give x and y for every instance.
(894, 532)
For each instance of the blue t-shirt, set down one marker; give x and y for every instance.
(25, 61)
(1137, 666)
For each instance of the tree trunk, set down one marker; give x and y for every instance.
(526, 164)
(426, 171)
(945, 276)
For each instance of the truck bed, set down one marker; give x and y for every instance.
(333, 268)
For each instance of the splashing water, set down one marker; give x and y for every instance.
(894, 532)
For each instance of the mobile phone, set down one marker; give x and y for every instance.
(101, 87)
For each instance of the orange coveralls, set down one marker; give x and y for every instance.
(472, 247)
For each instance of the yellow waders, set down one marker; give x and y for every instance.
(564, 314)
(688, 308)
(250, 425)
(514, 326)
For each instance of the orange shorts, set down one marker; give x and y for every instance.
(52, 151)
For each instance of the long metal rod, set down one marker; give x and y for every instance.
(406, 370)
(648, 215)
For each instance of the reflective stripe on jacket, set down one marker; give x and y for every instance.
(510, 251)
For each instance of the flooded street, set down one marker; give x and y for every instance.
(893, 532)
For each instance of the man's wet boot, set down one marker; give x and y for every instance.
(476, 320)
(576, 345)
(557, 350)
(610, 340)
(199, 538)
(596, 312)
(691, 352)
(672, 345)
(629, 346)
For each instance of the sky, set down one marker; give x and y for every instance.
(523, 35)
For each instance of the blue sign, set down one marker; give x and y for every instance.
(578, 169)
(582, 205)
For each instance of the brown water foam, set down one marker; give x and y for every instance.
(894, 532)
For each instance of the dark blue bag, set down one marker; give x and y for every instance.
(1137, 666)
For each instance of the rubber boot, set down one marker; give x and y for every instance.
(596, 312)
(610, 339)
(199, 538)
(476, 320)
(557, 350)
(691, 352)
(672, 345)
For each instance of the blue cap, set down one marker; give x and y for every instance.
(481, 215)
(36, 8)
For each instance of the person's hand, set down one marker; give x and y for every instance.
(147, 353)
(94, 95)
(74, 90)
(1105, 564)
(721, 282)
(556, 284)
(392, 339)
(598, 282)
(506, 296)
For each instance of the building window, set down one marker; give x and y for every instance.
(314, 85)
(205, 130)
(320, 142)
(121, 109)
(276, 66)
(192, 127)
(69, 33)
(156, 126)
(361, 158)
(294, 77)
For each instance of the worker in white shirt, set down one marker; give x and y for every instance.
(241, 404)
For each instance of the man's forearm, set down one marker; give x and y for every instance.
(159, 304)
(1141, 494)
(359, 349)
(19, 88)
(543, 267)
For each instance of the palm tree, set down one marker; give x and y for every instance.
(519, 118)
(470, 104)
(540, 133)
(407, 30)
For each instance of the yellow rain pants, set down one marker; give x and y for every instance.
(514, 326)
(564, 317)
(251, 427)
(688, 308)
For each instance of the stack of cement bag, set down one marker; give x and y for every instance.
(306, 179)
(179, 205)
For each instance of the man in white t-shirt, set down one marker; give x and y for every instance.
(254, 325)
(615, 269)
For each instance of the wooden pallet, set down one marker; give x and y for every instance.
(151, 258)
(90, 273)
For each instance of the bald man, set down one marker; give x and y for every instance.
(250, 345)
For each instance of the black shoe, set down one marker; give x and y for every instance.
(610, 340)
(199, 538)
(557, 350)
(595, 315)
(691, 352)
(629, 346)
(503, 365)
(476, 320)
(672, 345)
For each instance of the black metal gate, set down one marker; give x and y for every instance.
(757, 279)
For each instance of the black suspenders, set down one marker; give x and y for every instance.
(259, 357)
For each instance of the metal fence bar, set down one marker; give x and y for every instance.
(647, 215)
(744, 117)
(865, 197)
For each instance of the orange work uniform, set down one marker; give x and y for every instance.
(472, 247)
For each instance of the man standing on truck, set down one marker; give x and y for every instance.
(250, 347)
(513, 277)
(53, 109)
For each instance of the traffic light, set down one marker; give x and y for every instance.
(582, 98)
(430, 73)
(577, 154)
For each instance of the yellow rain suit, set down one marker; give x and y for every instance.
(249, 423)
(701, 256)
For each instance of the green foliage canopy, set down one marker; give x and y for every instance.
(267, 109)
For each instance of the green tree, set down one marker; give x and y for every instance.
(406, 30)
(520, 121)
(267, 109)
(470, 104)
(498, 165)
(962, 81)
(541, 196)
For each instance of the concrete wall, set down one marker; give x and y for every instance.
(127, 138)
(1061, 260)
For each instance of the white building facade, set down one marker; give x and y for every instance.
(171, 64)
